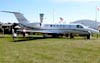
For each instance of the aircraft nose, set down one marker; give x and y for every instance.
(94, 31)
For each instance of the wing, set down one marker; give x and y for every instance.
(41, 31)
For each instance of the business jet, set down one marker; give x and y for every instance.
(54, 29)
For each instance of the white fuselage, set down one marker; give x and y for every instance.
(60, 28)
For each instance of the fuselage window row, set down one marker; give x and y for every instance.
(63, 26)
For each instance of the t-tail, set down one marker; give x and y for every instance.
(19, 16)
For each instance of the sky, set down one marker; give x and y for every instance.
(69, 10)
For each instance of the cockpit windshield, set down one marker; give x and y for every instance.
(79, 26)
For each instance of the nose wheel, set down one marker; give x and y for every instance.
(88, 36)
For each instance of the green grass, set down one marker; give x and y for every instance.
(50, 50)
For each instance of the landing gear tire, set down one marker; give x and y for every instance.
(88, 36)
(71, 36)
(67, 35)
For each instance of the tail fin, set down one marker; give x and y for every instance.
(19, 17)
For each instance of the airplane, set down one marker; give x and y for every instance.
(54, 29)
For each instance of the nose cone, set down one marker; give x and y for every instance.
(94, 31)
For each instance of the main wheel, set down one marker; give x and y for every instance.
(71, 35)
(66, 35)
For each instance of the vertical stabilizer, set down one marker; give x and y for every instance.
(19, 17)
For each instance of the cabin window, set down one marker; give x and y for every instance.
(50, 25)
(79, 26)
(53, 25)
(63, 25)
(60, 25)
(56, 25)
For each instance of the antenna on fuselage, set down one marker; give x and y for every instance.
(41, 18)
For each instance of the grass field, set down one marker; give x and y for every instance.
(50, 50)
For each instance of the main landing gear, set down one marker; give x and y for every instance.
(71, 36)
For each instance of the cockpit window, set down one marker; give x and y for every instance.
(79, 26)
